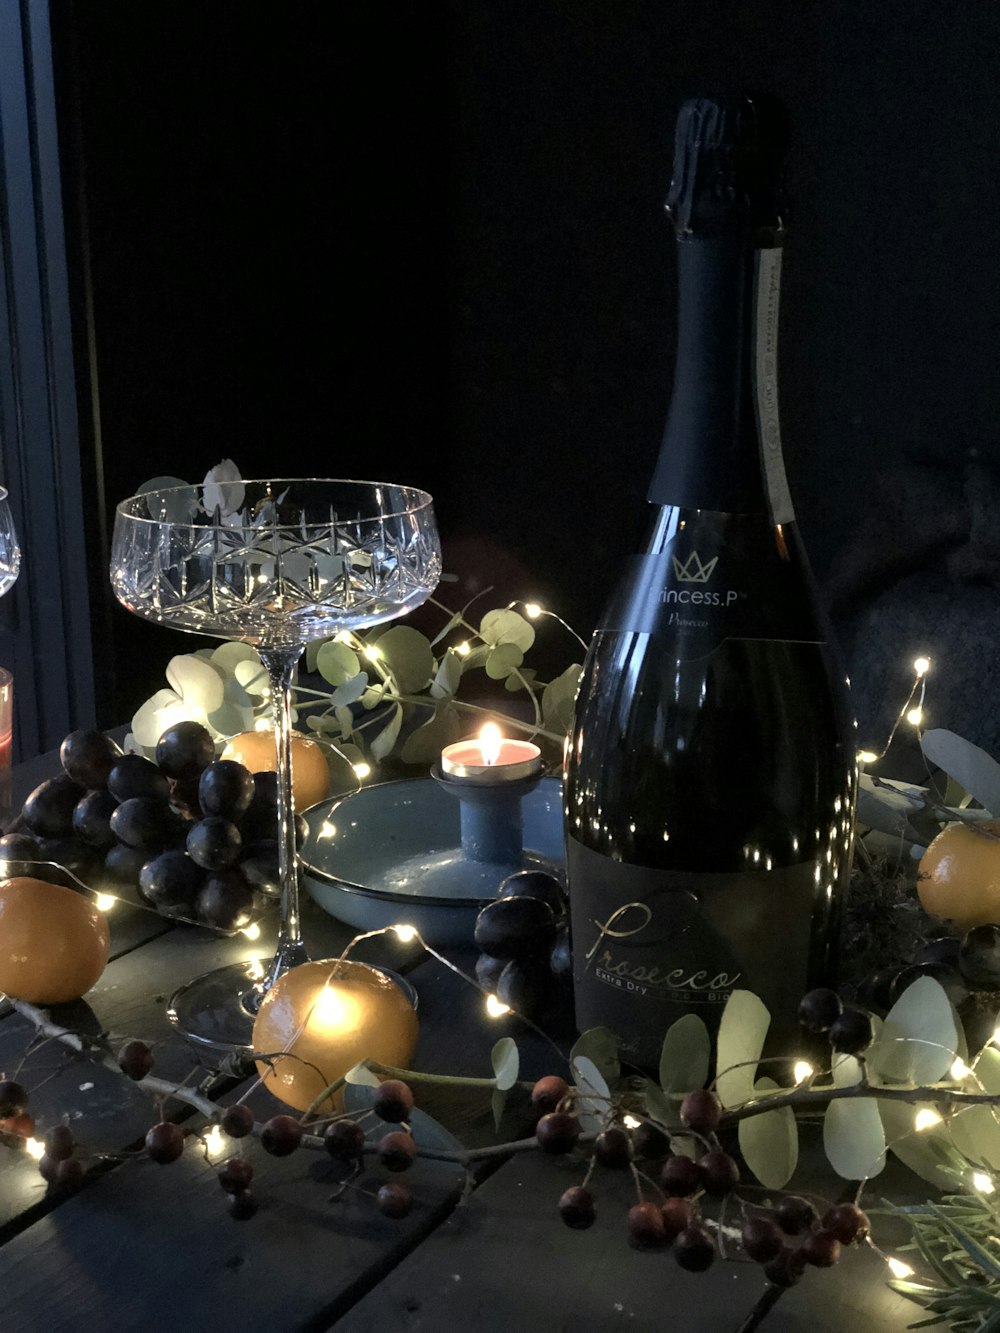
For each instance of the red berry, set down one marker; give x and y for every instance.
(820, 1009)
(165, 1142)
(701, 1111)
(821, 1249)
(548, 1092)
(694, 1249)
(393, 1101)
(557, 1132)
(396, 1151)
(613, 1148)
(344, 1140)
(646, 1229)
(847, 1222)
(649, 1141)
(69, 1175)
(785, 1269)
(719, 1173)
(576, 1208)
(676, 1217)
(237, 1121)
(135, 1059)
(59, 1143)
(242, 1206)
(281, 1135)
(761, 1239)
(796, 1215)
(852, 1033)
(394, 1200)
(680, 1176)
(13, 1098)
(235, 1175)
(47, 1168)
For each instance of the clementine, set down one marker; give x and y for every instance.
(959, 875)
(54, 942)
(310, 773)
(324, 1023)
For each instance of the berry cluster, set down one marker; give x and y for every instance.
(524, 939)
(195, 836)
(964, 965)
(765, 1238)
(849, 1031)
(59, 1168)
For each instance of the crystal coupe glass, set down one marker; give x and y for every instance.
(275, 564)
(10, 551)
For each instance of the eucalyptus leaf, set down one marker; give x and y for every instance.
(506, 1062)
(178, 506)
(351, 690)
(337, 662)
(599, 1045)
(425, 743)
(448, 676)
(920, 1037)
(227, 655)
(926, 1152)
(223, 491)
(685, 1056)
(504, 659)
(888, 812)
(147, 722)
(559, 699)
(590, 1081)
(230, 720)
(975, 1131)
(372, 697)
(523, 680)
(407, 653)
(742, 1030)
(658, 1108)
(507, 626)
(770, 1142)
(854, 1139)
(362, 1077)
(345, 721)
(976, 771)
(252, 676)
(456, 619)
(196, 681)
(382, 745)
(476, 657)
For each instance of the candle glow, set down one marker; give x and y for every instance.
(491, 742)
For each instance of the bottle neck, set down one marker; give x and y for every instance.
(722, 445)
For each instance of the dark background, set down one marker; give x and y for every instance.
(427, 243)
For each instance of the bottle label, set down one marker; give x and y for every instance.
(715, 579)
(767, 294)
(651, 945)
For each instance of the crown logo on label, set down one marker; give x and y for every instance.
(692, 570)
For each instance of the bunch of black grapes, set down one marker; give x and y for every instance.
(194, 835)
(525, 944)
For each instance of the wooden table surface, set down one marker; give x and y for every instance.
(151, 1247)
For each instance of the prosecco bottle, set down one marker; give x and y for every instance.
(710, 780)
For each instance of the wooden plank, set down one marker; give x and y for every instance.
(506, 1261)
(151, 1247)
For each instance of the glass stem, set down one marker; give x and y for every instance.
(280, 665)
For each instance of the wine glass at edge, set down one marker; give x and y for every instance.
(10, 550)
(276, 564)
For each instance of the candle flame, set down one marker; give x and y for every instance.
(490, 741)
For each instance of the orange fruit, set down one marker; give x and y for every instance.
(959, 875)
(332, 1023)
(310, 774)
(53, 942)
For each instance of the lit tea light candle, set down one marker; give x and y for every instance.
(491, 758)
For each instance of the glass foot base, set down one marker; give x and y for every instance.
(210, 1010)
(215, 1011)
